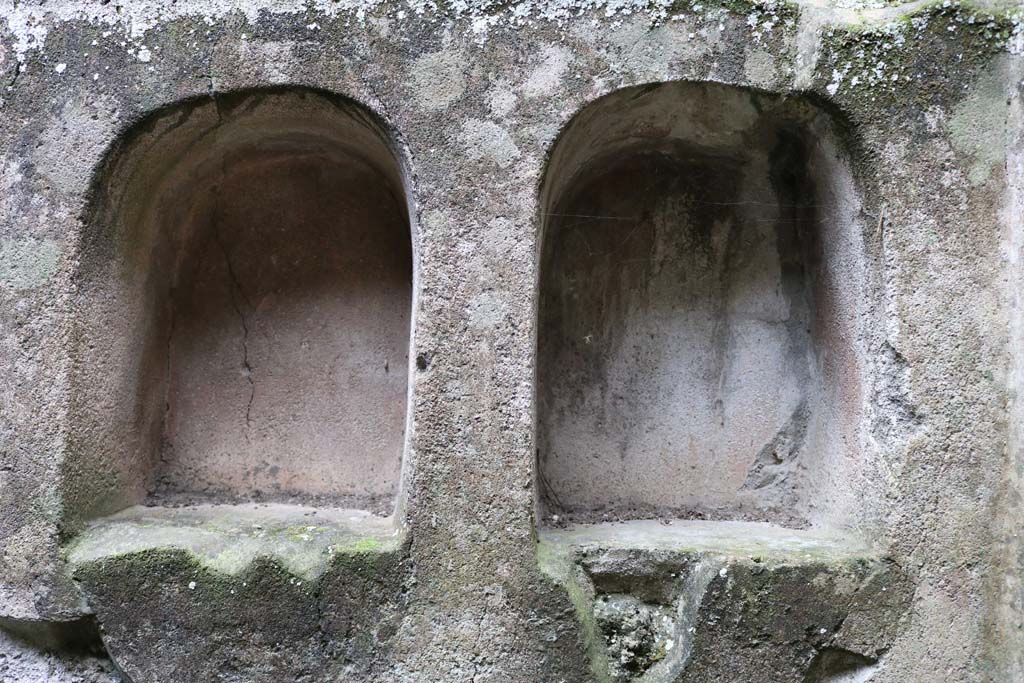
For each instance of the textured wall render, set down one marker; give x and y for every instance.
(910, 572)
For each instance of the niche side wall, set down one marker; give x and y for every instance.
(701, 296)
(245, 298)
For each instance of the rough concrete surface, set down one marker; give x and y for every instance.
(604, 340)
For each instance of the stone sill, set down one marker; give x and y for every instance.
(723, 539)
(229, 538)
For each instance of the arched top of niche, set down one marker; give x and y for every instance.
(632, 116)
(181, 139)
(731, 134)
(152, 179)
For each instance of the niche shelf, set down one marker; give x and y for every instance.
(699, 302)
(245, 319)
(229, 539)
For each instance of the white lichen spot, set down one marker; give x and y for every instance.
(191, 585)
(486, 140)
(977, 128)
(759, 67)
(27, 263)
(73, 141)
(837, 79)
(144, 55)
(60, 68)
(649, 53)
(548, 74)
(501, 98)
(271, 60)
(433, 220)
(486, 311)
(438, 79)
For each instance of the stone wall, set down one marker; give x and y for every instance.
(542, 340)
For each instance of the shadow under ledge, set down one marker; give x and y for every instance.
(696, 601)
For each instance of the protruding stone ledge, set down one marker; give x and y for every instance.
(305, 593)
(703, 601)
(229, 538)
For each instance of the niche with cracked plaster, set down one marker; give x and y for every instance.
(700, 294)
(246, 308)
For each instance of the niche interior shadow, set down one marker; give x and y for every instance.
(245, 298)
(699, 297)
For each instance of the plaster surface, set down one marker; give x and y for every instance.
(291, 312)
(461, 106)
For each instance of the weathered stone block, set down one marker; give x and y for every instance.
(712, 601)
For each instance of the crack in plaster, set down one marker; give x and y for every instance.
(233, 286)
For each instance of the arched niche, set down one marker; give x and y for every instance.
(243, 310)
(701, 295)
